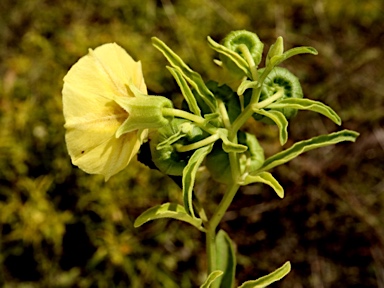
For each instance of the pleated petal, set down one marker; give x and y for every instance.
(92, 116)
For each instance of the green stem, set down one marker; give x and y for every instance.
(269, 100)
(214, 222)
(224, 114)
(248, 57)
(199, 121)
(241, 119)
(198, 144)
(183, 114)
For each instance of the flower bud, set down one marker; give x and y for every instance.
(239, 40)
(280, 78)
(162, 143)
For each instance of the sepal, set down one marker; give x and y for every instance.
(145, 112)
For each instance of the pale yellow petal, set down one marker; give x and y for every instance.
(108, 157)
(93, 117)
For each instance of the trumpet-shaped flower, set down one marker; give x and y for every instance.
(96, 95)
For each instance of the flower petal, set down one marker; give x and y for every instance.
(93, 117)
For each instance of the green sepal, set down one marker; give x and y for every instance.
(306, 145)
(189, 176)
(307, 104)
(145, 112)
(225, 260)
(192, 77)
(185, 90)
(232, 56)
(266, 178)
(167, 210)
(212, 278)
(266, 280)
(279, 119)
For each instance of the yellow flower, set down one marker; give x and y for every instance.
(93, 87)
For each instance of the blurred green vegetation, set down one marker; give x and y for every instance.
(63, 228)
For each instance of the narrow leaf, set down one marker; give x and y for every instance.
(212, 278)
(246, 84)
(307, 104)
(306, 145)
(276, 60)
(266, 178)
(233, 56)
(192, 77)
(185, 90)
(229, 146)
(167, 210)
(189, 176)
(266, 280)
(226, 260)
(280, 120)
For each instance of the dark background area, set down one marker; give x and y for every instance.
(63, 228)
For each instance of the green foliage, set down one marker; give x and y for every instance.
(226, 260)
(341, 202)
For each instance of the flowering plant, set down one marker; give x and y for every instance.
(109, 116)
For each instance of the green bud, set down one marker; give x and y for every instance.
(279, 78)
(276, 49)
(162, 144)
(239, 41)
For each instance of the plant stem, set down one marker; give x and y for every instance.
(214, 222)
(241, 119)
(199, 121)
(198, 144)
(183, 114)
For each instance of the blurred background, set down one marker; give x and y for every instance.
(63, 228)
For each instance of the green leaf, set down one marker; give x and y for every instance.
(167, 210)
(306, 145)
(276, 60)
(268, 279)
(246, 84)
(211, 278)
(185, 90)
(307, 104)
(192, 77)
(229, 146)
(276, 49)
(189, 176)
(225, 261)
(266, 178)
(280, 120)
(232, 55)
